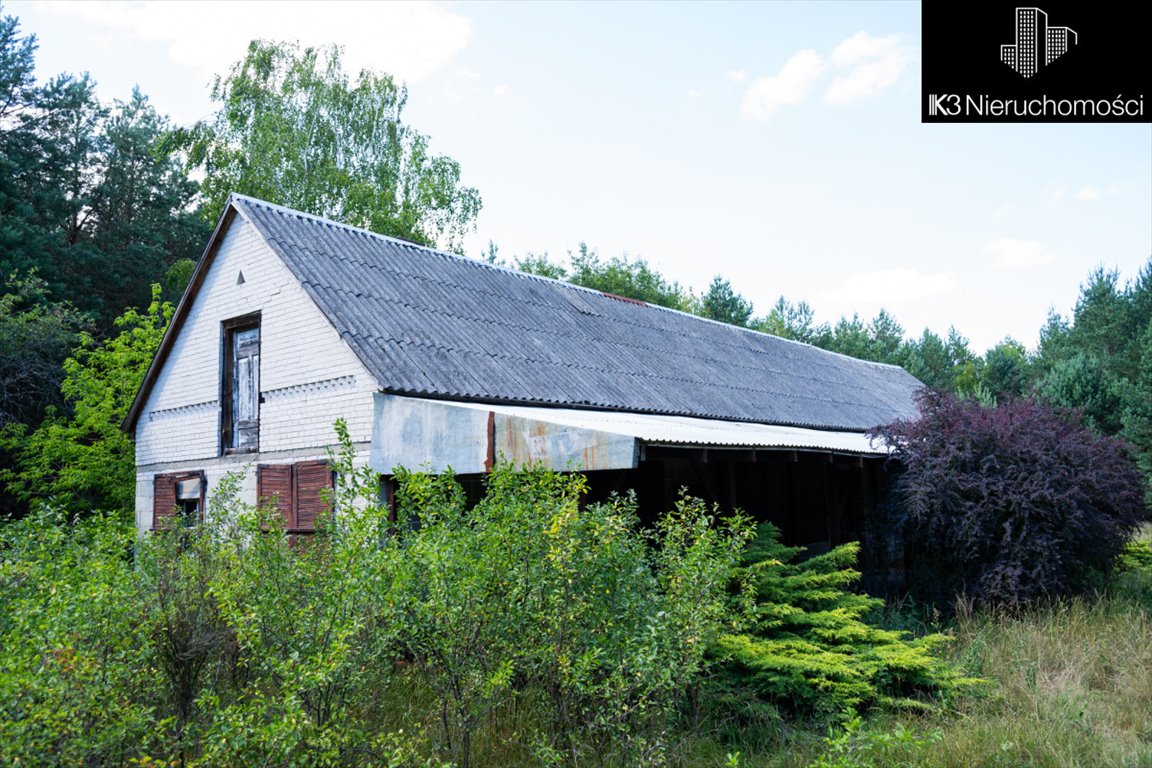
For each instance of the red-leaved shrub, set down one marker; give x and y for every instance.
(1008, 504)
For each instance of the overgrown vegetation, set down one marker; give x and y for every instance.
(79, 457)
(226, 644)
(404, 639)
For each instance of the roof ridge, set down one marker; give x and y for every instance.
(283, 209)
(532, 276)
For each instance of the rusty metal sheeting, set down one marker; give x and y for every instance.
(526, 439)
(415, 432)
(658, 430)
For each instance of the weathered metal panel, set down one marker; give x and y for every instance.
(414, 432)
(561, 447)
(427, 434)
(654, 429)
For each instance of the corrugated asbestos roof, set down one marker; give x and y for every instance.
(432, 324)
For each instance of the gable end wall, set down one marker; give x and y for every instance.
(308, 375)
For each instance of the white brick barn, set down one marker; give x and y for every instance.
(435, 360)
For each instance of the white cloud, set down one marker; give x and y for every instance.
(1017, 254)
(888, 287)
(502, 90)
(862, 47)
(1064, 191)
(1088, 193)
(866, 65)
(409, 40)
(1095, 193)
(1058, 192)
(789, 86)
(876, 63)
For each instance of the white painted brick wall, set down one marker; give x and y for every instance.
(308, 375)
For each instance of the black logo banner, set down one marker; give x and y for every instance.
(1049, 62)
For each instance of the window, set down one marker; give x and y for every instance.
(177, 499)
(301, 492)
(240, 386)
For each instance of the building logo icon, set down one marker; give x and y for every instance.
(1037, 44)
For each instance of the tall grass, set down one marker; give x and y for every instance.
(1071, 684)
(1073, 687)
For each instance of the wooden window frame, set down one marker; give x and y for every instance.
(228, 330)
(167, 482)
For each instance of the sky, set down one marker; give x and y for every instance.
(776, 144)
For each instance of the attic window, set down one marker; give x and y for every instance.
(240, 278)
(240, 386)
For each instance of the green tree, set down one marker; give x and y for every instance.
(294, 129)
(84, 461)
(1006, 371)
(142, 218)
(1137, 418)
(47, 138)
(886, 339)
(1083, 382)
(87, 199)
(724, 304)
(848, 337)
(541, 265)
(935, 361)
(36, 336)
(792, 321)
(622, 276)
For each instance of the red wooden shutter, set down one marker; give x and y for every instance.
(313, 493)
(274, 487)
(163, 500)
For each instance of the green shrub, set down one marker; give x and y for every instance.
(854, 745)
(76, 685)
(315, 628)
(1136, 556)
(531, 591)
(627, 623)
(806, 646)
